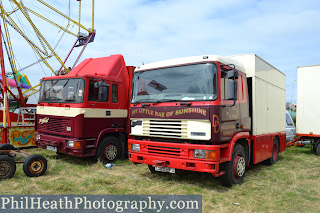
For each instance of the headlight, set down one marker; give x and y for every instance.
(199, 153)
(136, 123)
(37, 137)
(204, 154)
(70, 143)
(135, 147)
(74, 144)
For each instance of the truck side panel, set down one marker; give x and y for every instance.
(307, 101)
(268, 95)
(262, 145)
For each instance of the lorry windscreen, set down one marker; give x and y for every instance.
(196, 82)
(62, 90)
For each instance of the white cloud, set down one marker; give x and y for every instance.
(285, 33)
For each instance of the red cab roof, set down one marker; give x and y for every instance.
(112, 68)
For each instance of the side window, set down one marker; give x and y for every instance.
(98, 90)
(224, 86)
(114, 93)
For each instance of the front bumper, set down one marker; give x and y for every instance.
(61, 144)
(181, 159)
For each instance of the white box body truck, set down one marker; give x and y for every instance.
(214, 114)
(308, 112)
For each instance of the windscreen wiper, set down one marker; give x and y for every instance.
(143, 101)
(52, 100)
(66, 100)
(163, 100)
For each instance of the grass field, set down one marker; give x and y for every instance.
(291, 185)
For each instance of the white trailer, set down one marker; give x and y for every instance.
(308, 112)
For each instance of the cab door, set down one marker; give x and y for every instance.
(230, 114)
(97, 111)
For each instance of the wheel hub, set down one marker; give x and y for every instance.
(111, 152)
(239, 166)
(275, 152)
(4, 168)
(36, 167)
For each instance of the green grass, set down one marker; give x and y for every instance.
(291, 185)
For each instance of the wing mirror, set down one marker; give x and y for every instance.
(103, 89)
(232, 86)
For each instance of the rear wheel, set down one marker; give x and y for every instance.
(236, 168)
(35, 165)
(317, 149)
(275, 153)
(109, 150)
(7, 167)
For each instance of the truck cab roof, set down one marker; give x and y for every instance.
(191, 60)
(111, 68)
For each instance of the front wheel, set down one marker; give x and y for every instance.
(236, 168)
(109, 150)
(152, 169)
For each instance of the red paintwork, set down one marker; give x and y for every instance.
(263, 145)
(60, 143)
(226, 152)
(183, 159)
(107, 131)
(113, 70)
(13, 116)
(274, 152)
(235, 165)
(308, 135)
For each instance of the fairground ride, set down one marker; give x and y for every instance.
(44, 31)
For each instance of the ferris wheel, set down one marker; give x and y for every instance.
(36, 35)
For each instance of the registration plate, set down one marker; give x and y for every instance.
(165, 169)
(52, 148)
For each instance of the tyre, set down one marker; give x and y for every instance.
(6, 146)
(317, 149)
(236, 168)
(7, 167)
(35, 165)
(275, 153)
(109, 150)
(152, 169)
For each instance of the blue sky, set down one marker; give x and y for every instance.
(284, 33)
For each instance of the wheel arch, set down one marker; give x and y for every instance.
(247, 148)
(120, 134)
(239, 138)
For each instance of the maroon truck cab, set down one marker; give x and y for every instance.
(196, 114)
(84, 113)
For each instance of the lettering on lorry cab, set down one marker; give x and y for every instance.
(194, 110)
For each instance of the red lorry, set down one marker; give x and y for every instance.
(84, 113)
(207, 114)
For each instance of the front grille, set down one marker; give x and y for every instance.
(165, 128)
(56, 125)
(164, 150)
